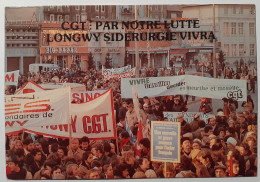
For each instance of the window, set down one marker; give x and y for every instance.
(83, 7)
(97, 17)
(226, 28)
(252, 49)
(102, 8)
(51, 17)
(52, 7)
(252, 10)
(102, 17)
(60, 18)
(233, 28)
(240, 28)
(234, 49)
(67, 17)
(225, 10)
(97, 8)
(234, 10)
(77, 7)
(77, 17)
(240, 10)
(241, 49)
(59, 9)
(251, 28)
(226, 49)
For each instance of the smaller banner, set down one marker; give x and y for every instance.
(11, 78)
(165, 141)
(123, 72)
(187, 116)
(185, 85)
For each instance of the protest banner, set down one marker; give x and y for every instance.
(123, 72)
(30, 87)
(36, 109)
(115, 70)
(165, 141)
(187, 116)
(185, 85)
(94, 119)
(86, 96)
(11, 78)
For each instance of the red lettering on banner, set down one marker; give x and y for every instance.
(53, 127)
(75, 97)
(96, 126)
(89, 97)
(44, 107)
(96, 95)
(10, 124)
(73, 123)
(9, 79)
(18, 122)
(34, 107)
(95, 121)
(87, 129)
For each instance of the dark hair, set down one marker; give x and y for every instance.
(49, 163)
(13, 159)
(202, 124)
(95, 163)
(86, 155)
(184, 139)
(231, 130)
(27, 141)
(107, 147)
(84, 139)
(207, 128)
(140, 161)
(19, 152)
(35, 151)
(54, 147)
(100, 148)
(64, 149)
(145, 142)
(55, 168)
(124, 134)
(120, 168)
(221, 129)
(135, 130)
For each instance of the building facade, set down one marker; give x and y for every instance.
(22, 28)
(235, 29)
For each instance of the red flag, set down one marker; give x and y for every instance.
(139, 137)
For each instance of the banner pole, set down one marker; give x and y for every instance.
(69, 120)
(23, 135)
(165, 170)
(117, 147)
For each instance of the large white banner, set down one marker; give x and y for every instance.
(86, 96)
(185, 84)
(36, 109)
(123, 72)
(94, 119)
(187, 116)
(11, 78)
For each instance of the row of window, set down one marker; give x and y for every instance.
(233, 28)
(22, 45)
(238, 10)
(21, 37)
(231, 50)
(97, 8)
(79, 17)
(21, 30)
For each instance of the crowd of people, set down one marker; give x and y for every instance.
(223, 146)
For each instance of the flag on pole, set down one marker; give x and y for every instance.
(139, 137)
